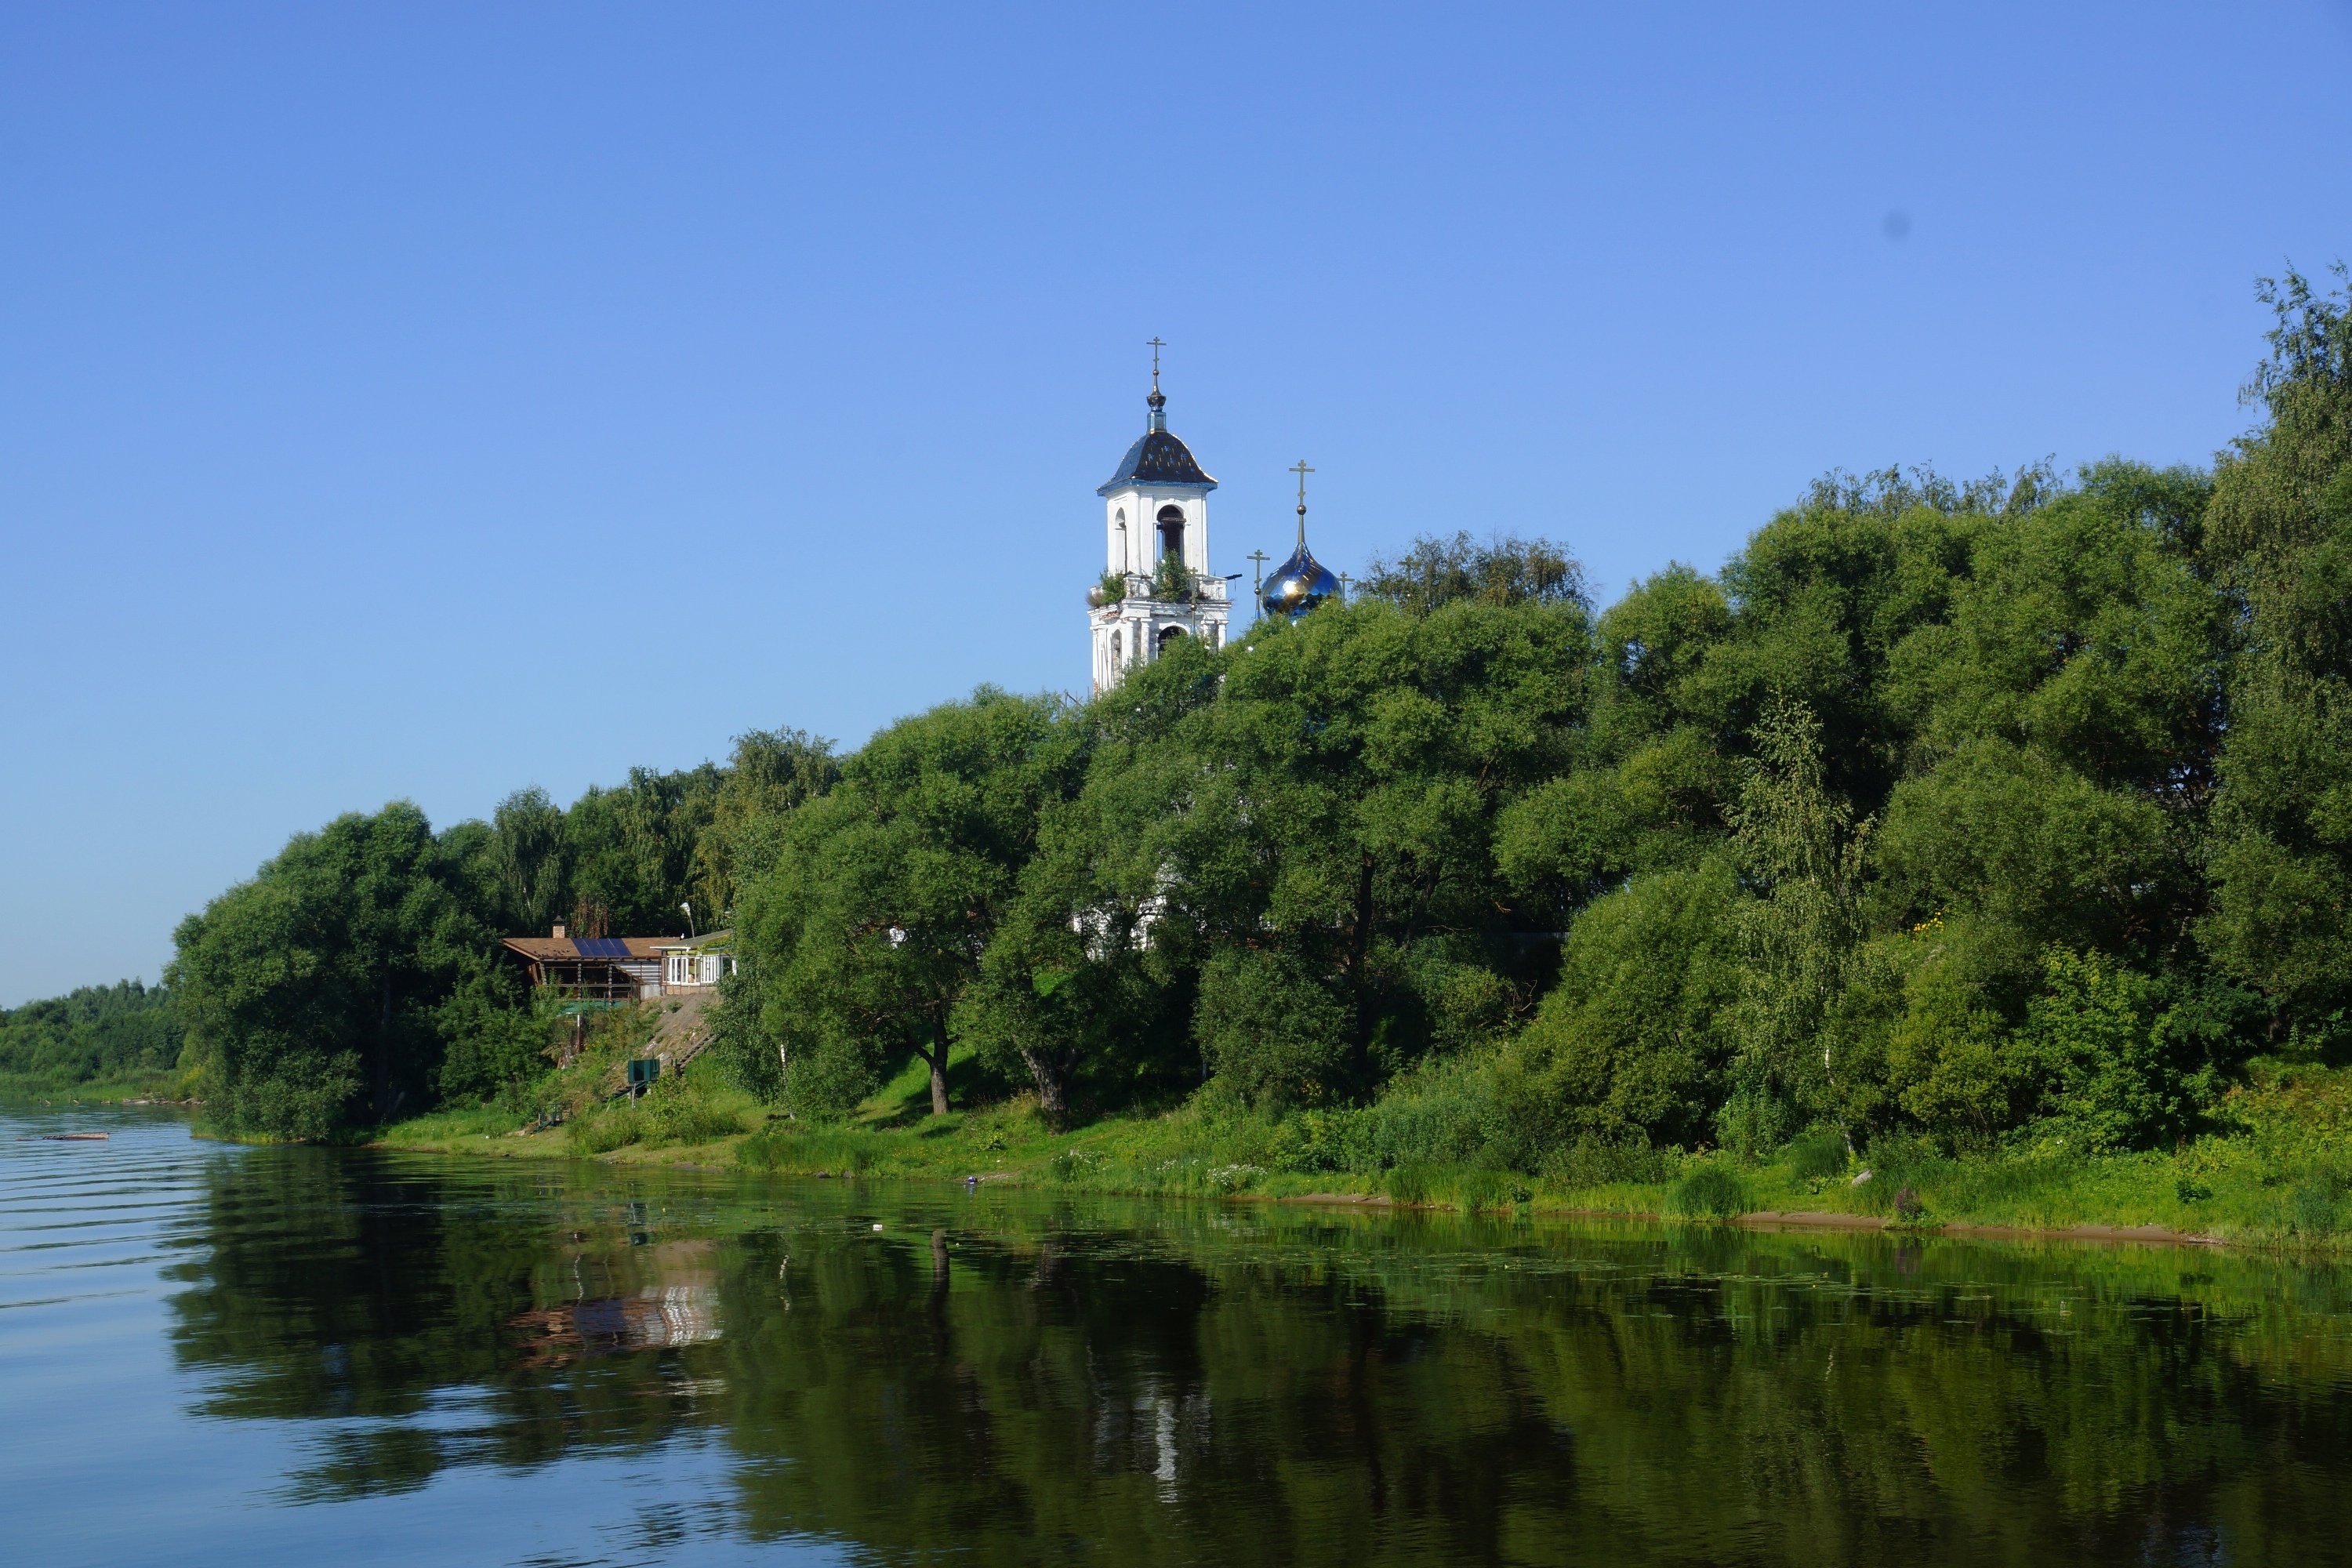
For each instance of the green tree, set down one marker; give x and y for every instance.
(1504, 571)
(1804, 852)
(2092, 1030)
(870, 924)
(632, 850)
(90, 1034)
(1635, 1036)
(494, 1036)
(1069, 988)
(2279, 534)
(309, 992)
(1311, 817)
(770, 774)
(529, 862)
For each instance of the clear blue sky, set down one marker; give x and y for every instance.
(420, 402)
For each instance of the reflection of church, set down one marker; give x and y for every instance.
(1157, 586)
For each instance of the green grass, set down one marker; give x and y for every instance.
(468, 1122)
(16, 1088)
(2280, 1175)
(812, 1151)
(671, 1115)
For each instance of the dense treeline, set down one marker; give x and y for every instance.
(99, 1034)
(1965, 812)
(358, 977)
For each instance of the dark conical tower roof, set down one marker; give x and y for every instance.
(1157, 457)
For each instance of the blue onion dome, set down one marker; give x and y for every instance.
(1297, 585)
(1301, 583)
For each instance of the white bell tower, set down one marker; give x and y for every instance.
(1156, 584)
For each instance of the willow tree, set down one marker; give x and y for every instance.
(2279, 535)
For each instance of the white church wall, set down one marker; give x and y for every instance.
(1116, 530)
(1135, 547)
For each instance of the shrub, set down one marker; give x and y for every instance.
(1171, 580)
(1271, 1028)
(1235, 1178)
(682, 1118)
(2091, 1032)
(1898, 1161)
(1707, 1191)
(1442, 1114)
(1631, 1038)
(1752, 1121)
(493, 1048)
(809, 1152)
(602, 1131)
(1409, 1185)
(1488, 1189)
(1318, 1140)
(670, 1114)
(1821, 1152)
(2316, 1207)
(1593, 1162)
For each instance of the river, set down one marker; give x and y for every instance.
(211, 1354)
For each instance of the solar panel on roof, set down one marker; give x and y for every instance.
(601, 947)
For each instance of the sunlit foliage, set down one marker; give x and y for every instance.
(2006, 813)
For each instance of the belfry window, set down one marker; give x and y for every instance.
(1118, 651)
(1169, 634)
(1171, 531)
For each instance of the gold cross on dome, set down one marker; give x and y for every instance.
(1155, 346)
(1302, 471)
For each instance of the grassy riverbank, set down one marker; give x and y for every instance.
(118, 1089)
(2278, 1174)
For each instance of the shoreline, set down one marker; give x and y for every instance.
(717, 1159)
(722, 1157)
(1811, 1219)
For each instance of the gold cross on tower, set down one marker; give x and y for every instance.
(1302, 471)
(1155, 346)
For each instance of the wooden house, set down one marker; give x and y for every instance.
(623, 968)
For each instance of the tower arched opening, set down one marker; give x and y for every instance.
(1171, 531)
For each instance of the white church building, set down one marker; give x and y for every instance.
(1156, 537)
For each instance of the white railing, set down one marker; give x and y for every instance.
(1140, 586)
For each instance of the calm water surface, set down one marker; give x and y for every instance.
(215, 1355)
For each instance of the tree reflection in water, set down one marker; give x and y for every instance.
(1010, 1378)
